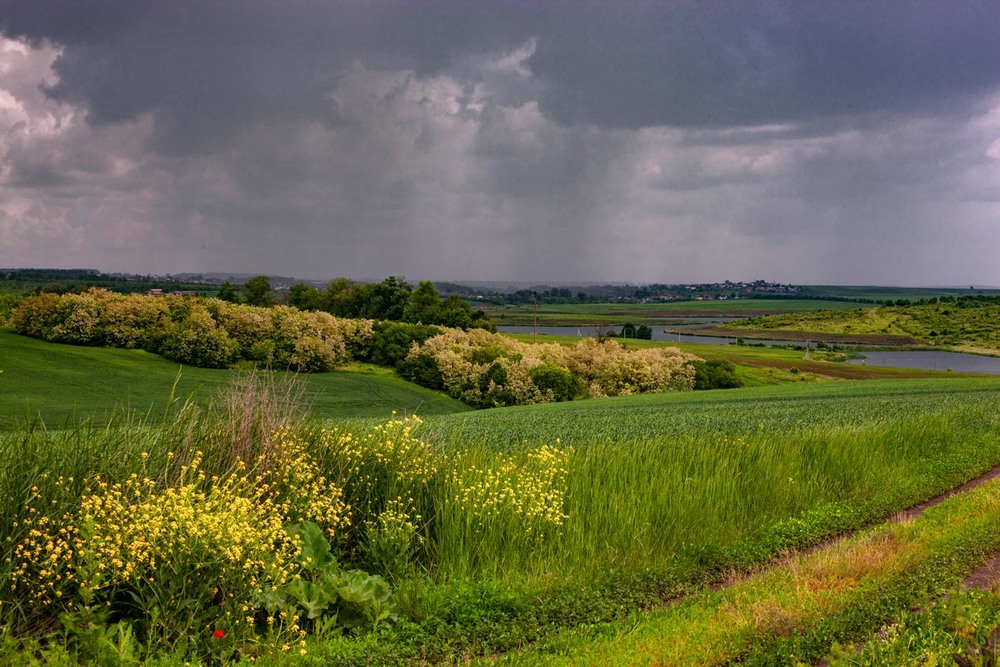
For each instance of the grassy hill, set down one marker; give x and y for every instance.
(67, 383)
(965, 325)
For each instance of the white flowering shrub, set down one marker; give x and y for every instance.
(486, 370)
(608, 369)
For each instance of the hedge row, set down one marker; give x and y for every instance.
(199, 332)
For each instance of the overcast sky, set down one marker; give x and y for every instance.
(806, 142)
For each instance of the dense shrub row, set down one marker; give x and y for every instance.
(480, 368)
(209, 333)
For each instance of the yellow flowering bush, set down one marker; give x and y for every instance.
(247, 325)
(410, 501)
(131, 321)
(386, 463)
(392, 539)
(237, 551)
(179, 563)
(608, 369)
(183, 560)
(526, 489)
(292, 479)
(196, 339)
(32, 316)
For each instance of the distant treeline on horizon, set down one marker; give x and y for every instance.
(36, 280)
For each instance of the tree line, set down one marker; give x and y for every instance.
(393, 299)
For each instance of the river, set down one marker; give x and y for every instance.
(924, 359)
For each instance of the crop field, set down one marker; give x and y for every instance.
(494, 529)
(666, 477)
(791, 613)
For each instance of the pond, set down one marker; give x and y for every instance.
(932, 360)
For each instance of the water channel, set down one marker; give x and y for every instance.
(924, 359)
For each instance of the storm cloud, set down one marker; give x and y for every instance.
(833, 142)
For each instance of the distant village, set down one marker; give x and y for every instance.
(498, 293)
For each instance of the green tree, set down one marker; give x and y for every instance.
(257, 291)
(390, 342)
(344, 297)
(387, 299)
(228, 293)
(455, 313)
(304, 297)
(548, 377)
(716, 374)
(424, 305)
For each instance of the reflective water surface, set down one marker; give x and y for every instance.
(924, 359)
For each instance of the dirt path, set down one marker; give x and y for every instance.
(917, 510)
(986, 576)
(903, 515)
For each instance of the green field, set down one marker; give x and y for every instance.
(593, 314)
(551, 525)
(67, 383)
(790, 614)
(883, 293)
(656, 476)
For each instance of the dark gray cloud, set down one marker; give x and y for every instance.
(556, 140)
(207, 67)
(717, 64)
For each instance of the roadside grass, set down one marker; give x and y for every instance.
(65, 384)
(959, 623)
(794, 613)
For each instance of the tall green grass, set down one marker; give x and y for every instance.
(677, 484)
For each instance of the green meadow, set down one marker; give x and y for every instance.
(63, 384)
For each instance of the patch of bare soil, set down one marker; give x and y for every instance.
(986, 577)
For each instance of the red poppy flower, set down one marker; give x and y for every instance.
(219, 634)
